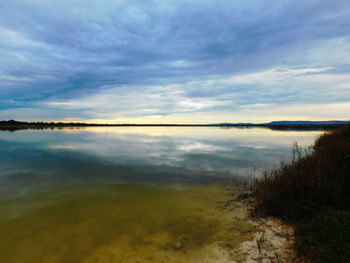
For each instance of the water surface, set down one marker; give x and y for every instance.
(129, 194)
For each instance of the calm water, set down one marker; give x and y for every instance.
(129, 194)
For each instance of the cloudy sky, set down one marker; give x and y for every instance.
(171, 61)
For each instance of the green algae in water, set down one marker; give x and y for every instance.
(125, 223)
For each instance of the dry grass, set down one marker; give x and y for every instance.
(316, 179)
(310, 191)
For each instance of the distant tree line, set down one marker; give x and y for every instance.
(12, 125)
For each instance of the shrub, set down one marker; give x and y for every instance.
(313, 181)
(325, 238)
(312, 191)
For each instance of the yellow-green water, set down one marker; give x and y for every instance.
(126, 223)
(113, 194)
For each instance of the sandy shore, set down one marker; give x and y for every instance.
(272, 242)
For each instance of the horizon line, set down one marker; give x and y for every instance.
(271, 123)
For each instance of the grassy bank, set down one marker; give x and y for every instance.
(312, 191)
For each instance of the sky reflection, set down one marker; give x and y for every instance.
(42, 159)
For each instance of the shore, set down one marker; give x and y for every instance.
(272, 241)
(311, 192)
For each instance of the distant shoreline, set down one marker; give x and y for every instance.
(17, 125)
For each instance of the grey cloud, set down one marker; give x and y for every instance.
(71, 49)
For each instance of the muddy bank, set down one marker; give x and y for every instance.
(271, 243)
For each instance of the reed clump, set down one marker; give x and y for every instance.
(313, 186)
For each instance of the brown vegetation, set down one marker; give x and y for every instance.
(313, 186)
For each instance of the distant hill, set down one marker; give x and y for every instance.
(285, 123)
(306, 123)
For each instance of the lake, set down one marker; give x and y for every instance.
(131, 194)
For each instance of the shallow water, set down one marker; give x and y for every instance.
(151, 194)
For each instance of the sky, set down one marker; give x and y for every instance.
(174, 61)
